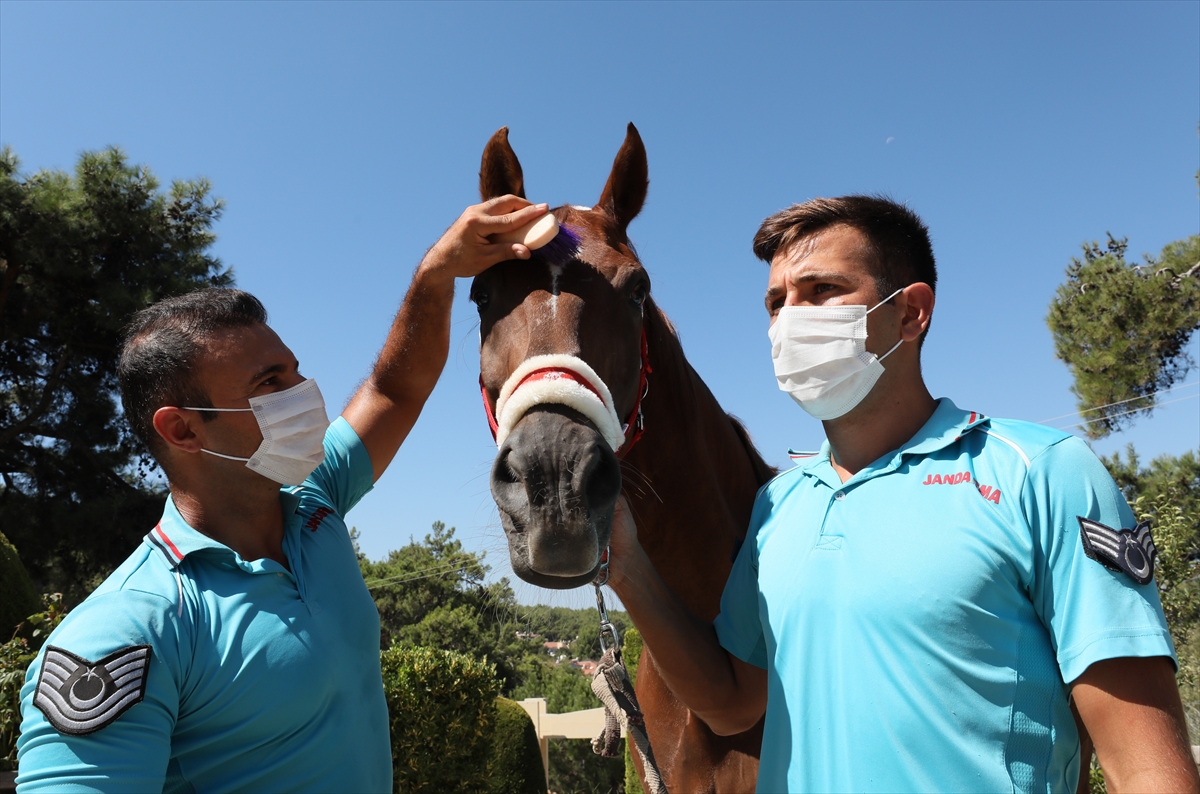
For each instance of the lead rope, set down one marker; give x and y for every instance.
(621, 709)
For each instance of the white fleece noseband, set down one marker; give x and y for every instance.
(548, 379)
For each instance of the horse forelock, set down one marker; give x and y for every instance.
(604, 244)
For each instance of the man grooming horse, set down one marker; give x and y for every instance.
(238, 648)
(919, 605)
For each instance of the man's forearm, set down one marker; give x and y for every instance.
(385, 409)
(387, 405)
(686, 651)
(1132, 710)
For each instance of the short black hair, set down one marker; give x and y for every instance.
(161, 346)
(900, 248)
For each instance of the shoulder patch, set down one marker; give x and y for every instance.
(1130, 551)
(80, 697)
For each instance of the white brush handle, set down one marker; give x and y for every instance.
(532, 235)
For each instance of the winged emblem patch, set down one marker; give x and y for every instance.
(80, 697)
(1128, 550)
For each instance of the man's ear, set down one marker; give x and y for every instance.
(918, 311)
(179, 429)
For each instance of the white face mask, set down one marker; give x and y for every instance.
(821, 359)
(293, 424)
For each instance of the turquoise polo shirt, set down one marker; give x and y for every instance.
(192, 669)
(920, 622)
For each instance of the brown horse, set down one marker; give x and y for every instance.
(690, 479)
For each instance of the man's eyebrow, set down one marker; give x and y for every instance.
(777, 291)
(828, 275)
(274, 369)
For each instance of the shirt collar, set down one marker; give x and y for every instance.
(175, 539)
(948, 424)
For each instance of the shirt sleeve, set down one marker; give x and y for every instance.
(739, 625)
(346, 474)
(131, 748)
(1092, 612)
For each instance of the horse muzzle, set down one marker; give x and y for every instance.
(556, 481)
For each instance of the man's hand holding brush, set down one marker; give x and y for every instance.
(479, 239)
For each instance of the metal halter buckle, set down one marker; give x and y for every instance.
(606, 626)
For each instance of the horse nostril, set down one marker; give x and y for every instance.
(508, 486)
(602, 481)
(503, 472)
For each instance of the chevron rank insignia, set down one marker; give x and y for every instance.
(80, 697)
(1128, 550)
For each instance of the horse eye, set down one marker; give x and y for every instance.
(480, 298)
(639, 294)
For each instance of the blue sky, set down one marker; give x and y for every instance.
(345, 137)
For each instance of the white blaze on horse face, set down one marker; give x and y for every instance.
(555, 272)
(545, 312)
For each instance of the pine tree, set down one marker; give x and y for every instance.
(1124, 329)
(79, 254)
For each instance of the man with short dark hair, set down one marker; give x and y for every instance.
(238, 648)
(919, 605)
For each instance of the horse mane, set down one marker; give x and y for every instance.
(703, 473)
(762, 470)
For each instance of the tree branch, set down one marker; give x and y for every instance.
(11, 432)
(9, 271)
(88, 452)
(1191, 271)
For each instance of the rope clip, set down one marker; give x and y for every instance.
(606, 626)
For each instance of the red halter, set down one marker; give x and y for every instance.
(636, 423)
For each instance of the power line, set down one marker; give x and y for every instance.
(398, 580)
(1121, 402)
(450, 564)
(1123, 413)
(422, 573)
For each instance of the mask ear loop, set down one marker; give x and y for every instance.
(876, 306)
(885, 300)
(227, 457)
(220, 410)
(893, 350)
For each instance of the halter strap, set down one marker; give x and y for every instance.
(636, 419)
(636, 422)
(557, 373)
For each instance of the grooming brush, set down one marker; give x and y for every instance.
(546, 239)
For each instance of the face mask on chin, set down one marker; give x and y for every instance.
(293, 424)
(821, 359)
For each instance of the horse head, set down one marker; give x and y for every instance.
(562, 371)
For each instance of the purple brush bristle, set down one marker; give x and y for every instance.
(562, 249)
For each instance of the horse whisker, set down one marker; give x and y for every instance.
(629, 468)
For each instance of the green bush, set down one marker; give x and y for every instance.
(441, 707)
(631, 654)
(15, 657)
(13, 664)
(18, 597)
(514, 763)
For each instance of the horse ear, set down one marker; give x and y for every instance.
(625, 192)
(500, 173)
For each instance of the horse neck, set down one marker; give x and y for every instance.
(691, 479)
